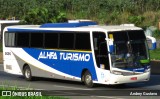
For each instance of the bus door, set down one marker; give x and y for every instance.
(100, 50)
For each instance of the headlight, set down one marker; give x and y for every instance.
(117, 72)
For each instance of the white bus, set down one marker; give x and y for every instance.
(79, 51)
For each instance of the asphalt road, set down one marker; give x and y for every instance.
(78, 90)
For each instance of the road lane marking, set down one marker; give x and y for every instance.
(72, 87)
(20, 87)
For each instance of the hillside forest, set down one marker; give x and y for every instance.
(140, 12)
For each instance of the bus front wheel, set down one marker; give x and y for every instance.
(88, 79)
(27, 73)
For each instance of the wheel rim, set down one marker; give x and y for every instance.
(88, 79)
(27, 73)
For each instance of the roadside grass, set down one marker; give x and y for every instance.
(6, 87)
(155, 54)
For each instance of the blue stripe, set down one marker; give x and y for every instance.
(136, 69)
(153, 46)
(66, 25)
(140, 69)
(32, 30)
(71, 67)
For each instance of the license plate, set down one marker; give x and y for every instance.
(134, 78)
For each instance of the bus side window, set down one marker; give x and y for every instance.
(22, 39)
(82, 41)
(37, 40)
(100, 49)
(10, 39)
(51, 40)
(66, 41)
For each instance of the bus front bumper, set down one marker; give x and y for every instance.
(121, 79)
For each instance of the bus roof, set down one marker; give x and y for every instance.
(115, 27)
(9, 21)
(82, 26)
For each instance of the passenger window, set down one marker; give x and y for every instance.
(37, 40)
(66, 41)
(22, 39)
(83, 41)
(51, 40)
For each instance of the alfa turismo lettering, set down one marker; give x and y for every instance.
(74, 56)
(64, 56)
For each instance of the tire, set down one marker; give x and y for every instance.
(88, 79)
(27, 73)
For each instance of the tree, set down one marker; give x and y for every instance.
(42, 15)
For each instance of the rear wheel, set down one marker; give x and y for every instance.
(88, 79)
(27, 73)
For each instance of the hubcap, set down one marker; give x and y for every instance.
(88, 79)
(27, 73)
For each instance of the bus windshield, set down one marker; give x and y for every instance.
(129, 50)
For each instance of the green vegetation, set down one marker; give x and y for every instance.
(155, 54)
(140, 12)
(156, 34)
(42, 15)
